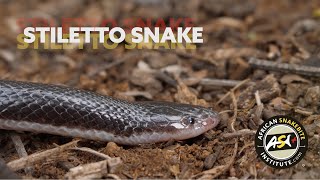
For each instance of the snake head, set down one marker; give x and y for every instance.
(193, 121)
(181, 121)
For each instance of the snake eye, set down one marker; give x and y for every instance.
(188, 120)
(192, 120)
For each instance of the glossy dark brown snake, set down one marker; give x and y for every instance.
(60, 110)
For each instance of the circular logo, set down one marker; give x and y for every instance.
(281, 142)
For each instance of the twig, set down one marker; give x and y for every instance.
(219, 82)
(114, 176)
(245, 146)
(113, 164)
(235, 112)
(145, 94)
(225, 111)
(162, 76)
(18, 145)
(94, 170)
(36, 157)
(304, 52)
(242, 132)
(89, 150)
(20, 150)
(258, 112)
(232, 90)
(285, 67)
(89, 171)
(302, 111)
(258, 99)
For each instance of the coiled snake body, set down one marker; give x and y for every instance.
(67, 111)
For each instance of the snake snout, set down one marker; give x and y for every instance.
(209, 120)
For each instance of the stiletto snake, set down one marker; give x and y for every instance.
(66, 111)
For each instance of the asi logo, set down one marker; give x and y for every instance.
(281, 142)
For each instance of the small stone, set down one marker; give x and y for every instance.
(146, 80)
(157, 61)
(112, 147)
(209, 161)
(294, 91)
(312, 95)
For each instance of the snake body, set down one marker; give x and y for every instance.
(60, 110)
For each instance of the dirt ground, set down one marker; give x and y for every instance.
(285, 31)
